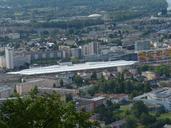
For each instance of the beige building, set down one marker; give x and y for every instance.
(26, 87)
(89, 105)
(149, 75)
(2, 62)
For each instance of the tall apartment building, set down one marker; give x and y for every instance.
(45, 55)
(90, 49)
(76, 52)
(142, 45)
(21, 59)
(2, 62)
(12, 59)
(9, 57)
(66, 51)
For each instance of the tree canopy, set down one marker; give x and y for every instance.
(47, 111)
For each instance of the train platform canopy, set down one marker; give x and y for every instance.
(73, 67)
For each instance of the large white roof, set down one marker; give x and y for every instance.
(74, 67)
(94, 15)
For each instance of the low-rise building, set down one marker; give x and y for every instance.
(89, 105)
(142, 45)
(26, 87)
(67, 78)
(157, 97)
(11, 35)
(5, 92)
(115, 98)
(150, 75)
(61, 91)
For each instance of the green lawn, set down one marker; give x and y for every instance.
(165, 115)
(123, 110)
(125, 107)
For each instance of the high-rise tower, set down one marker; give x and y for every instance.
(9, 57)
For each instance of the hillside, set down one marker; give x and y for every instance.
(102, 4)
(51, 9)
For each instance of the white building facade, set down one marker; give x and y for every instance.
(9, 57)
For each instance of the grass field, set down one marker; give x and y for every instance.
(123, 110)
(165, 115)
(125, 107)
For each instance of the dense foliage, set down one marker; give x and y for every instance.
(139, 115)
(108, 112)
(116, 10)
(42, 112)
(120, 84)
(162, 70)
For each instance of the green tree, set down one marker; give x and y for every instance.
(46, 111)
(107, 112)
(139, 108)
(130, 122)
(78, 80)
(163, 70)
(3, 125)
(61, 82)
(147, 119)
(94, 76)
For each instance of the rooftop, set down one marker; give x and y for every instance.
(114, 96)
(163, 93)
(94, 15)
(85, 101)
(159, 93)
(98, 98)
(73, 67)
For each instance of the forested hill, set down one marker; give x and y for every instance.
(103, 4)
(117, 9)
